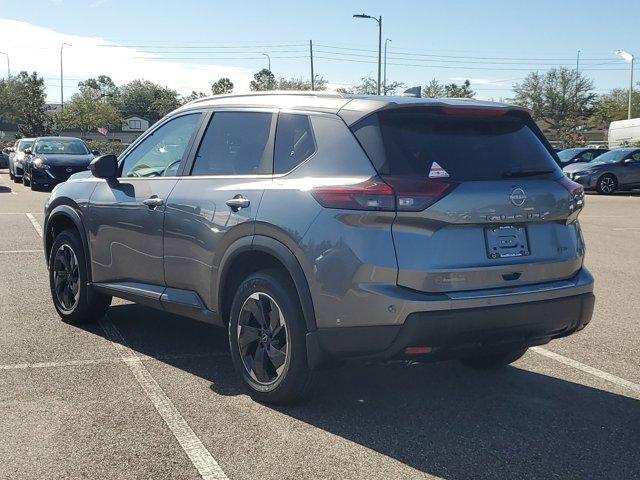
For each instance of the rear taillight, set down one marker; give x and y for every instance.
(577, 193)
(384, 194)
(372, 194)
(574, 188)
(415, 194)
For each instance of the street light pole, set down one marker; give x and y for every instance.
(629, 58)
(62, 78)
(379, 20)
(8, 66)
(384, 83)
(268, 58)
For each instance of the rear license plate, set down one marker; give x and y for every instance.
(506, 241)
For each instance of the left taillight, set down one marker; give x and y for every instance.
(576, 191)
(372, 194)
(388, 194)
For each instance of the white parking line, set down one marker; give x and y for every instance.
(21, 251)
(201, 458)
(35, 223)
(99, 361)
(621, 382)
(626, 228)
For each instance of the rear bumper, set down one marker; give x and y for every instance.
(459, 332)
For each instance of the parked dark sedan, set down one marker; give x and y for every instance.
(53, 160)
(615, 170)
(576, 155)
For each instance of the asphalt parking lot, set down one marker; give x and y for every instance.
(150, 395)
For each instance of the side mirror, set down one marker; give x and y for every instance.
(95, 152)
(105, 166)
(28, 151)
(628, 161)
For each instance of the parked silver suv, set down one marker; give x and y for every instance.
(320, 227)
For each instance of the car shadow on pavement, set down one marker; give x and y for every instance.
(441, 419)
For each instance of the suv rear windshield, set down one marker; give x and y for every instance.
(410, 141)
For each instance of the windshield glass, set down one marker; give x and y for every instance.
(24, 145)
(610, 157)
(61, 147)
(420, 143)
(569, 153)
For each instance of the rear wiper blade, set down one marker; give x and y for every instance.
(525, 173)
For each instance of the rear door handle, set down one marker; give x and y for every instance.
(238, 202)
(153, 202)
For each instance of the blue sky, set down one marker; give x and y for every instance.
(493, 43)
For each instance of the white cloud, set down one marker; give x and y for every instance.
(31, 47)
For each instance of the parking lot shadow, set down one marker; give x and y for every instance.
(441, 419)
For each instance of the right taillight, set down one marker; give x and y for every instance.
(415, 194)
(388, 194)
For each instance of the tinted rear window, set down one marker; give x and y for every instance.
(410, 141)
(294, 142)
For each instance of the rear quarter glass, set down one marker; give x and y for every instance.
(421, 143)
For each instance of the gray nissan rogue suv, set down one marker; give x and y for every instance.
(320, 227)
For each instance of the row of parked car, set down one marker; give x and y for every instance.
(44, 162)
(602, 170)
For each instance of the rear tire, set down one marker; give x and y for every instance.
(16, 178)
(25, 182)
(273, 362)
(607, 184)
(75, 301)
(11, 175)
(484, 362)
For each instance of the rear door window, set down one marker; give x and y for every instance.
(416, 142)
(294, 142)
(236, 143)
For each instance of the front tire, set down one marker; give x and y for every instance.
(607, 184)
(496, 360)
(73, 298)
(267, 338)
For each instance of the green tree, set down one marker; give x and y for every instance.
(147, 99)
(614, 106)
(222, 86)
(435, 89)
(193, 96)
(369, 86)
(103, 87)
(560, 97)
(22, 100)
(87, 111)
(263, 80)
(300, 83)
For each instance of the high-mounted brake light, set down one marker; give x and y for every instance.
(384, 194)
(473, 111)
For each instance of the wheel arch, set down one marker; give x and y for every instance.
(262, 252)
(63, 217)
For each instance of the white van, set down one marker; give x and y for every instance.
(624, 133)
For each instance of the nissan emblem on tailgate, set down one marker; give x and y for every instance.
(518, 197)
